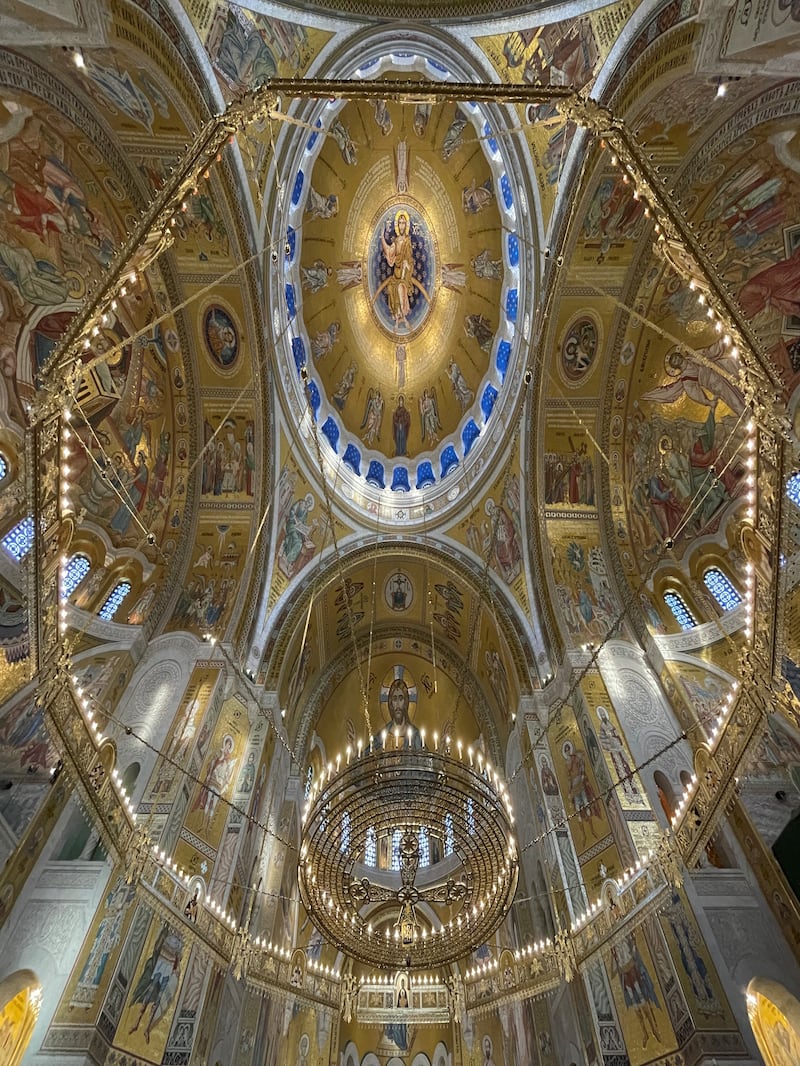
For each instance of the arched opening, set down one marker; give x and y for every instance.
(786, 850)
(666, 794)
(20, 998)
(130, 777)
(715, 851)
(774, 1015)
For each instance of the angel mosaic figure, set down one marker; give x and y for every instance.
(452, 139)
(382, 116)
(487, 268)
(422, 113)
(453, 276)
(461, 390)
(478, 326)
(341, 135)
(373, 416)
(474, 197)
(350, 273)
(323, 342)
(429, 416)
(344, 387)
(315, 277)
(319, 206)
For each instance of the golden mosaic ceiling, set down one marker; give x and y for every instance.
(401, 286)
(410, 243)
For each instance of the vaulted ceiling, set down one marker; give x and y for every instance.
(483, 460)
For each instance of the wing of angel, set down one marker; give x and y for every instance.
(367, 406)
(435, 405)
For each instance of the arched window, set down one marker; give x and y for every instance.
(396, 849)
(19, 540)
(683, 616)
(309, 782)
(424, 847)
(3, 466)
(74, 572)
(793, 488)
(449, 835)
(345, 845)
(371, 848)
(721, 589)
(114, 601)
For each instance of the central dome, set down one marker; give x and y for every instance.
(401, 291)
(407, 246)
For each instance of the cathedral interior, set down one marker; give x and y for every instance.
(399, 500)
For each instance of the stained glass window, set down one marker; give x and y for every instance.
(721, 589)
(19, 540)
(683, 616)
(371, 848)
(793, 488)
(424, 847)
(114, 601)
(309, 781)
(74, 572)
(3, 466)
(345, 831)
(449, 835)
(396, 849)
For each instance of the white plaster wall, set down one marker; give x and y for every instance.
(46, 929)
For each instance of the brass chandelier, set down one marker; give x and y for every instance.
(454, 863)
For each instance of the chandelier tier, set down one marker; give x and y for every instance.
(408, 857)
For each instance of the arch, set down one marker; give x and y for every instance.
(785, 850)
(350, 1054)
(774, 1015)
(721, 588)
(73, 573)
(666, 794)
(114, 601)
(20, 999)
(441, 1056)
(301, 728)
(510, 625)
(130, 776)
(679, 609)
(18, 541)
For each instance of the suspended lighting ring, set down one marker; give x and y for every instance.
(415, 799)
